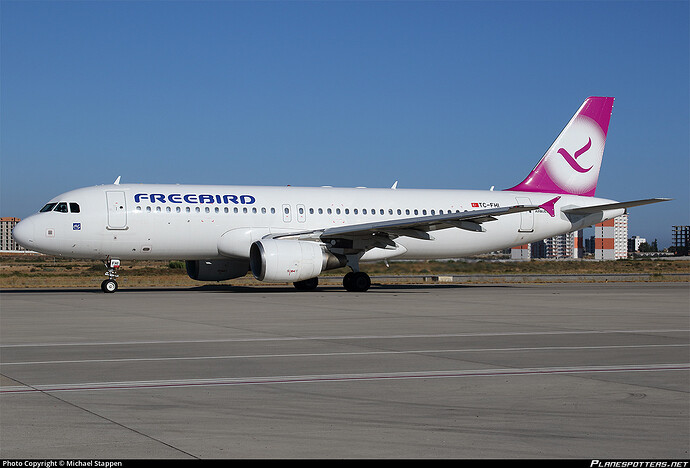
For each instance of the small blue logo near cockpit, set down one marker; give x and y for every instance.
(76, 226)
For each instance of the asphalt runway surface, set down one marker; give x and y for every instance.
(593, 370)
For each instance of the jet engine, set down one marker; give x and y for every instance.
(280, 260)
(216, 270)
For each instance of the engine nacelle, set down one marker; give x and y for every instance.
(276, 260)
(216, 270)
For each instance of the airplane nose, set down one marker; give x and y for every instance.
(24, 233)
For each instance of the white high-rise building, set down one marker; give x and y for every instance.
(634, 243)
(564, 246)
(7, 242)
(611, 239)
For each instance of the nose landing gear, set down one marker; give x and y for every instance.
(110, 285)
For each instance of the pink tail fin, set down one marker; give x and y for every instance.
(571, 165)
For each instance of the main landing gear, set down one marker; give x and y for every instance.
(356, 281)
(353, 282)
(110, 285)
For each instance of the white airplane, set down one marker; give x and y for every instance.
(292, 234)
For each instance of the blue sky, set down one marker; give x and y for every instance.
(449, 94)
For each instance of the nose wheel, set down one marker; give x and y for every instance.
(110, 285)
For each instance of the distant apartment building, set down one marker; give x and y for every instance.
(521, 252)
(611, 239)
(681, 239)
(564, 246)
(7, 242)
(610, 242)
(634, 243)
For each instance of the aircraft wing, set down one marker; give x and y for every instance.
(468, 220)
(417, 227)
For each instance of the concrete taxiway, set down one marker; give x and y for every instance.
(418, 371)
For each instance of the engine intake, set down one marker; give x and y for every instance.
(280, 260)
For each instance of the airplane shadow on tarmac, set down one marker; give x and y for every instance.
(228, 288)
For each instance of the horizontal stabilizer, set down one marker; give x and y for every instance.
(612, 206)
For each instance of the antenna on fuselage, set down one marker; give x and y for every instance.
(117, 181)
(395, 185)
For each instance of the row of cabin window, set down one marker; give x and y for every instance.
(207, 209)
(301, 210)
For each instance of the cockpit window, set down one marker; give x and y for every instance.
(74, 207)
(48, 207)
(61, 207)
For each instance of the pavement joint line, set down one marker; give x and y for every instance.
(347, 353)
(347, 337)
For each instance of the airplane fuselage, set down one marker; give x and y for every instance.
(188, 222)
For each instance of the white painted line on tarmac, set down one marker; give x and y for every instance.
(310, 379)
(346, 337)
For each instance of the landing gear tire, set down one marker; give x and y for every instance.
(109, 286)
(307, 285)
(356, 281)
(111, 266)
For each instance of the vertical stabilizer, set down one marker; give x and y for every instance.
(572, 163)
